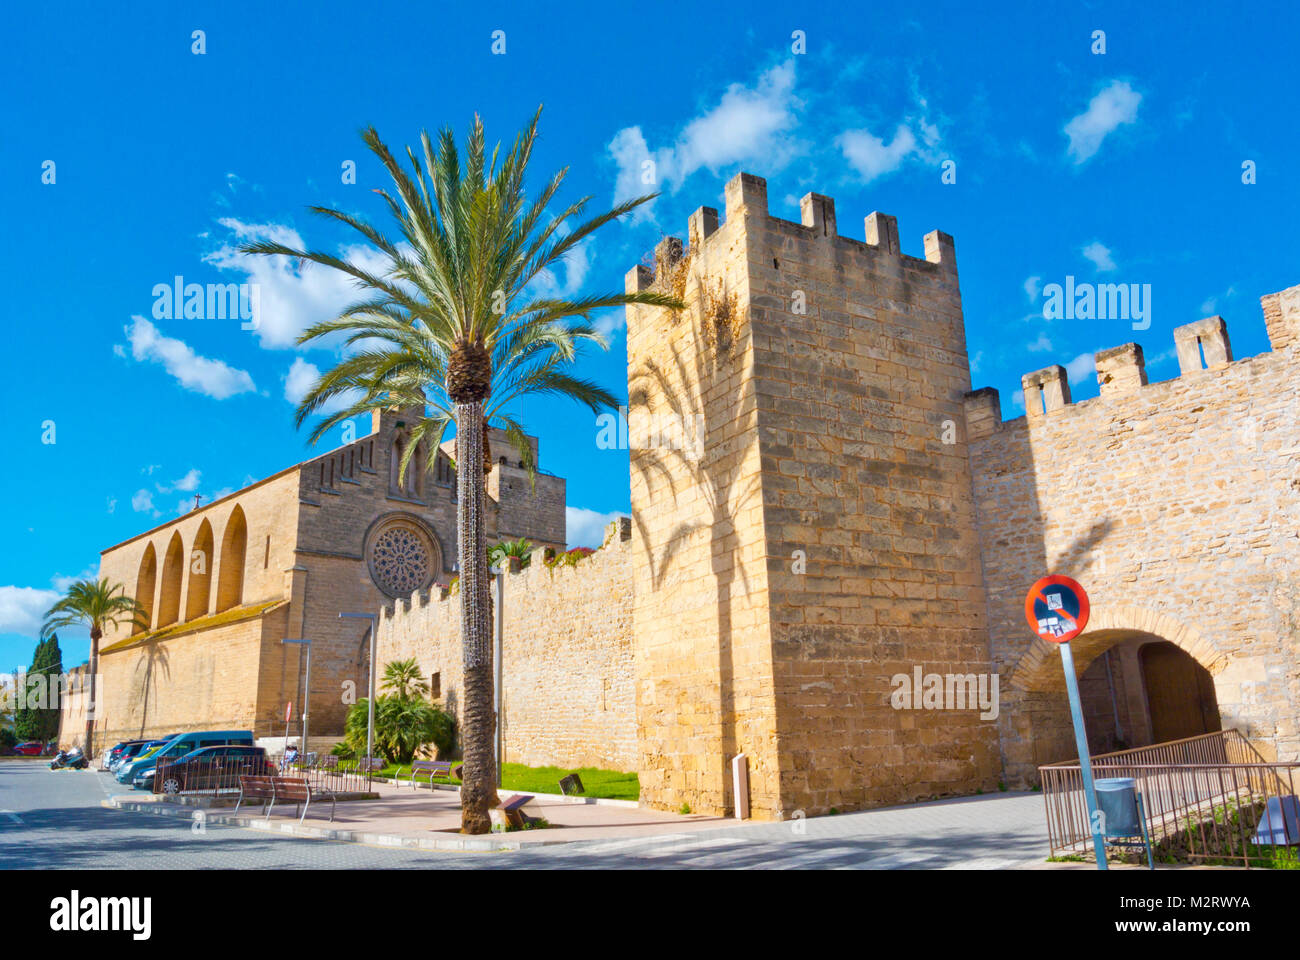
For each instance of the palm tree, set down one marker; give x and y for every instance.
(403, 677)
(96, 605)
(521, 549)
(452, 323)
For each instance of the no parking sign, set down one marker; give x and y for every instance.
(1057, 608)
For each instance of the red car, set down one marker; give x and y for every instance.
(30, 748)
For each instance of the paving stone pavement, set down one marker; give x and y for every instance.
(56, 819)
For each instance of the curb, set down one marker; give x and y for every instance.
(202, 816)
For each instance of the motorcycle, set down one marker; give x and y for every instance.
(73, 759)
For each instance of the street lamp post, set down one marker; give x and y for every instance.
(370, 703)
(306, 692)
(500, 570)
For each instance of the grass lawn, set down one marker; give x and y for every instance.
(605, 784)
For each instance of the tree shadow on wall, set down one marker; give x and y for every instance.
(707, 464)
(155, 661)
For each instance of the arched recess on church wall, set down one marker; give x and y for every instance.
(200, 561)
(146, 582)
(173, 572)
(230, 572)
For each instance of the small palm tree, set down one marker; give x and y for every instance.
(96, 605)
(403, 678)
(452, 323)
(521, 549)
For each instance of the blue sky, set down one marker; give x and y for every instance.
(1119, 167)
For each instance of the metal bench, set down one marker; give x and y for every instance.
(434, 768)
(275, 790)
(371, 764)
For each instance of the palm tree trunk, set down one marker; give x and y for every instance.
(478, 792)
(90, 705)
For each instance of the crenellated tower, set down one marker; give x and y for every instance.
(817, 539)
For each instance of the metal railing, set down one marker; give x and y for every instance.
(1203, 797)
(219, 776)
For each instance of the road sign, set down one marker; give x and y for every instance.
(1057, 609)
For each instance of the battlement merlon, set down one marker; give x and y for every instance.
(1121, 369)
(746, 198)
(1045, 390)
(1209, 336)
(983, 413)
(1282, 317)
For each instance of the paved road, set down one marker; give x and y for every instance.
(54, 819)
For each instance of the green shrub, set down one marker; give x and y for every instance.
(402, 727)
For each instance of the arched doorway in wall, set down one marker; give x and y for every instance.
(1035, 717)
(1181, 701)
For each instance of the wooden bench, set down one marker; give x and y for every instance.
(511, 810)
(434, 768)
(273, 790)
(371, 764)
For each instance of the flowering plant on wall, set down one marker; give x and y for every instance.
(570, 558)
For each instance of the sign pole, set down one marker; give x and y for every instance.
(1085, 759)
(1057, 609)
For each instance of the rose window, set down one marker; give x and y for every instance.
(399, 561)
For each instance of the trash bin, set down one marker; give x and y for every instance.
(1122, 813)
(1117, 800)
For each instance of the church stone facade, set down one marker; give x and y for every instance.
(226, 584)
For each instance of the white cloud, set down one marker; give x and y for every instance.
(203, 375)
(748, 124)
(1080, 368)
(1210, 305)
(61, 583)
(1115, 105)
(302, 376)
(1042, 344)
(1033, 287)
(22, 609)
(586, 528)
(610, 322)
(112, 504)
(870, 156)
(1100, 256)
(292, 296)
(187, 483)
(142, 502)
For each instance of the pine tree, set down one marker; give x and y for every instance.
(35, 720)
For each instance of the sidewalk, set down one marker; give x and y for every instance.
(427, 819)
(998, 832)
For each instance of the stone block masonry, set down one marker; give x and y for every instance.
(1174, 503)
(825, 542)
(567, 664)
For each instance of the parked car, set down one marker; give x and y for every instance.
(178, 746)
(131, 752)
(210, 768)
(118, 751)
(29, 748)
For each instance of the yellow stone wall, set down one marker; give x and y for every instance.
(1173, 503)
(567, 658)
